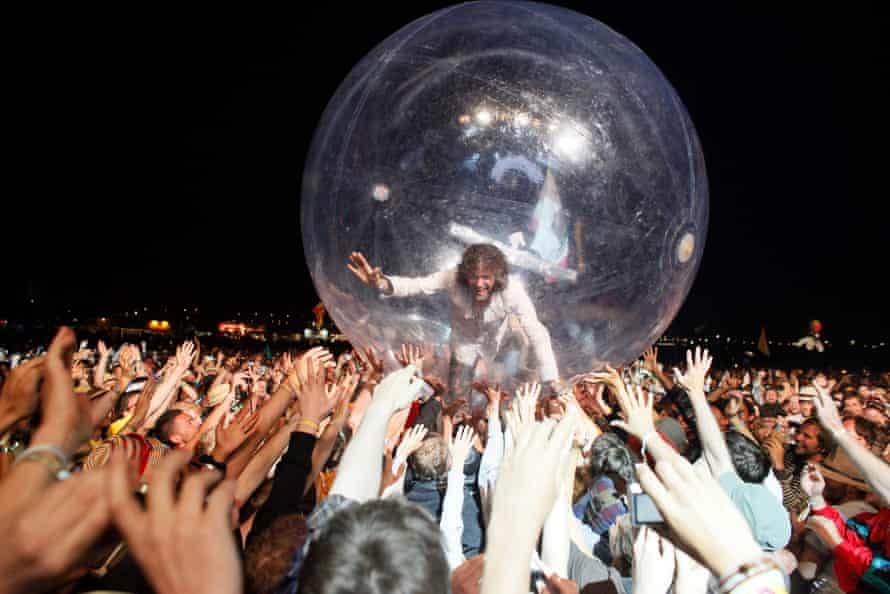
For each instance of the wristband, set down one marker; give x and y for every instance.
(761, 575)
(50, 457)
(308, 424)
(211, 464)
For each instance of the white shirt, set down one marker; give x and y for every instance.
(474, 334)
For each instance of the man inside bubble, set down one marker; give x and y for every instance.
(484, 298)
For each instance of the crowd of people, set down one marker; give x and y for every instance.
(213, 470)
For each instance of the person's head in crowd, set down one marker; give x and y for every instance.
(770, 394)
(751, 463)
(807, 408)
(792, 405)
(876, 413)
(610, 457)
(853, 405)
(771, 413)
(176, 427)
(270, 553)
(430, 461)
(762, 428)
(862, 429)
(483, 270)
(553, 409)
(811, 441)
(378, 547)
(864, 390)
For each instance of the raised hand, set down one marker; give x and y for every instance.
(19, 396)
(826, 409)
(637, 408)
(319, 357)
(701, 516)
(653, 562)
(611, 379)
(358, 265)
(170, 524)
(229, 439)
(696, 370)
(411, 440)
(371, 363)
(522, 409)
(104, 351)
(410, 355)
(184, 354)
(398, 389)
(65, 416)
(650, 359)
(461, 445)
(314, 401)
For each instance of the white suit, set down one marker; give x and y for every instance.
(474, 335)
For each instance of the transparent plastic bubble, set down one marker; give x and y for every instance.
(530, 127)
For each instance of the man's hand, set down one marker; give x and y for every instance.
(314, 401)
(229, 439)
(398, 389)
(170, 525)
(775, 447)
(19, 396)
(812, 483)
(410, 355)
(372, 365)
(370, 276)
(528, 480)
(826, 409)
(653, 562)
(522, 409)
(461, 445)
(319, 357)
(184, 354)
(696, 370)
(704, 520)
(650, 360)
(637, 409)
(50, 538)
(66, 421)
(411, 440)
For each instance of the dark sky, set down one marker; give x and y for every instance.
(158, 155)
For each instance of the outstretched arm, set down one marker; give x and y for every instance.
(875, 470)
(537, 333)
(713, 444)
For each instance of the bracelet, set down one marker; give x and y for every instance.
(50, 456)
(211, 464)
(745, 572)
(310, 424)
(645, 440)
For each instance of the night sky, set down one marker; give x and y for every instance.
(159, 155)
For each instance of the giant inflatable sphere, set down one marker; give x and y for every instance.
(529, 127)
